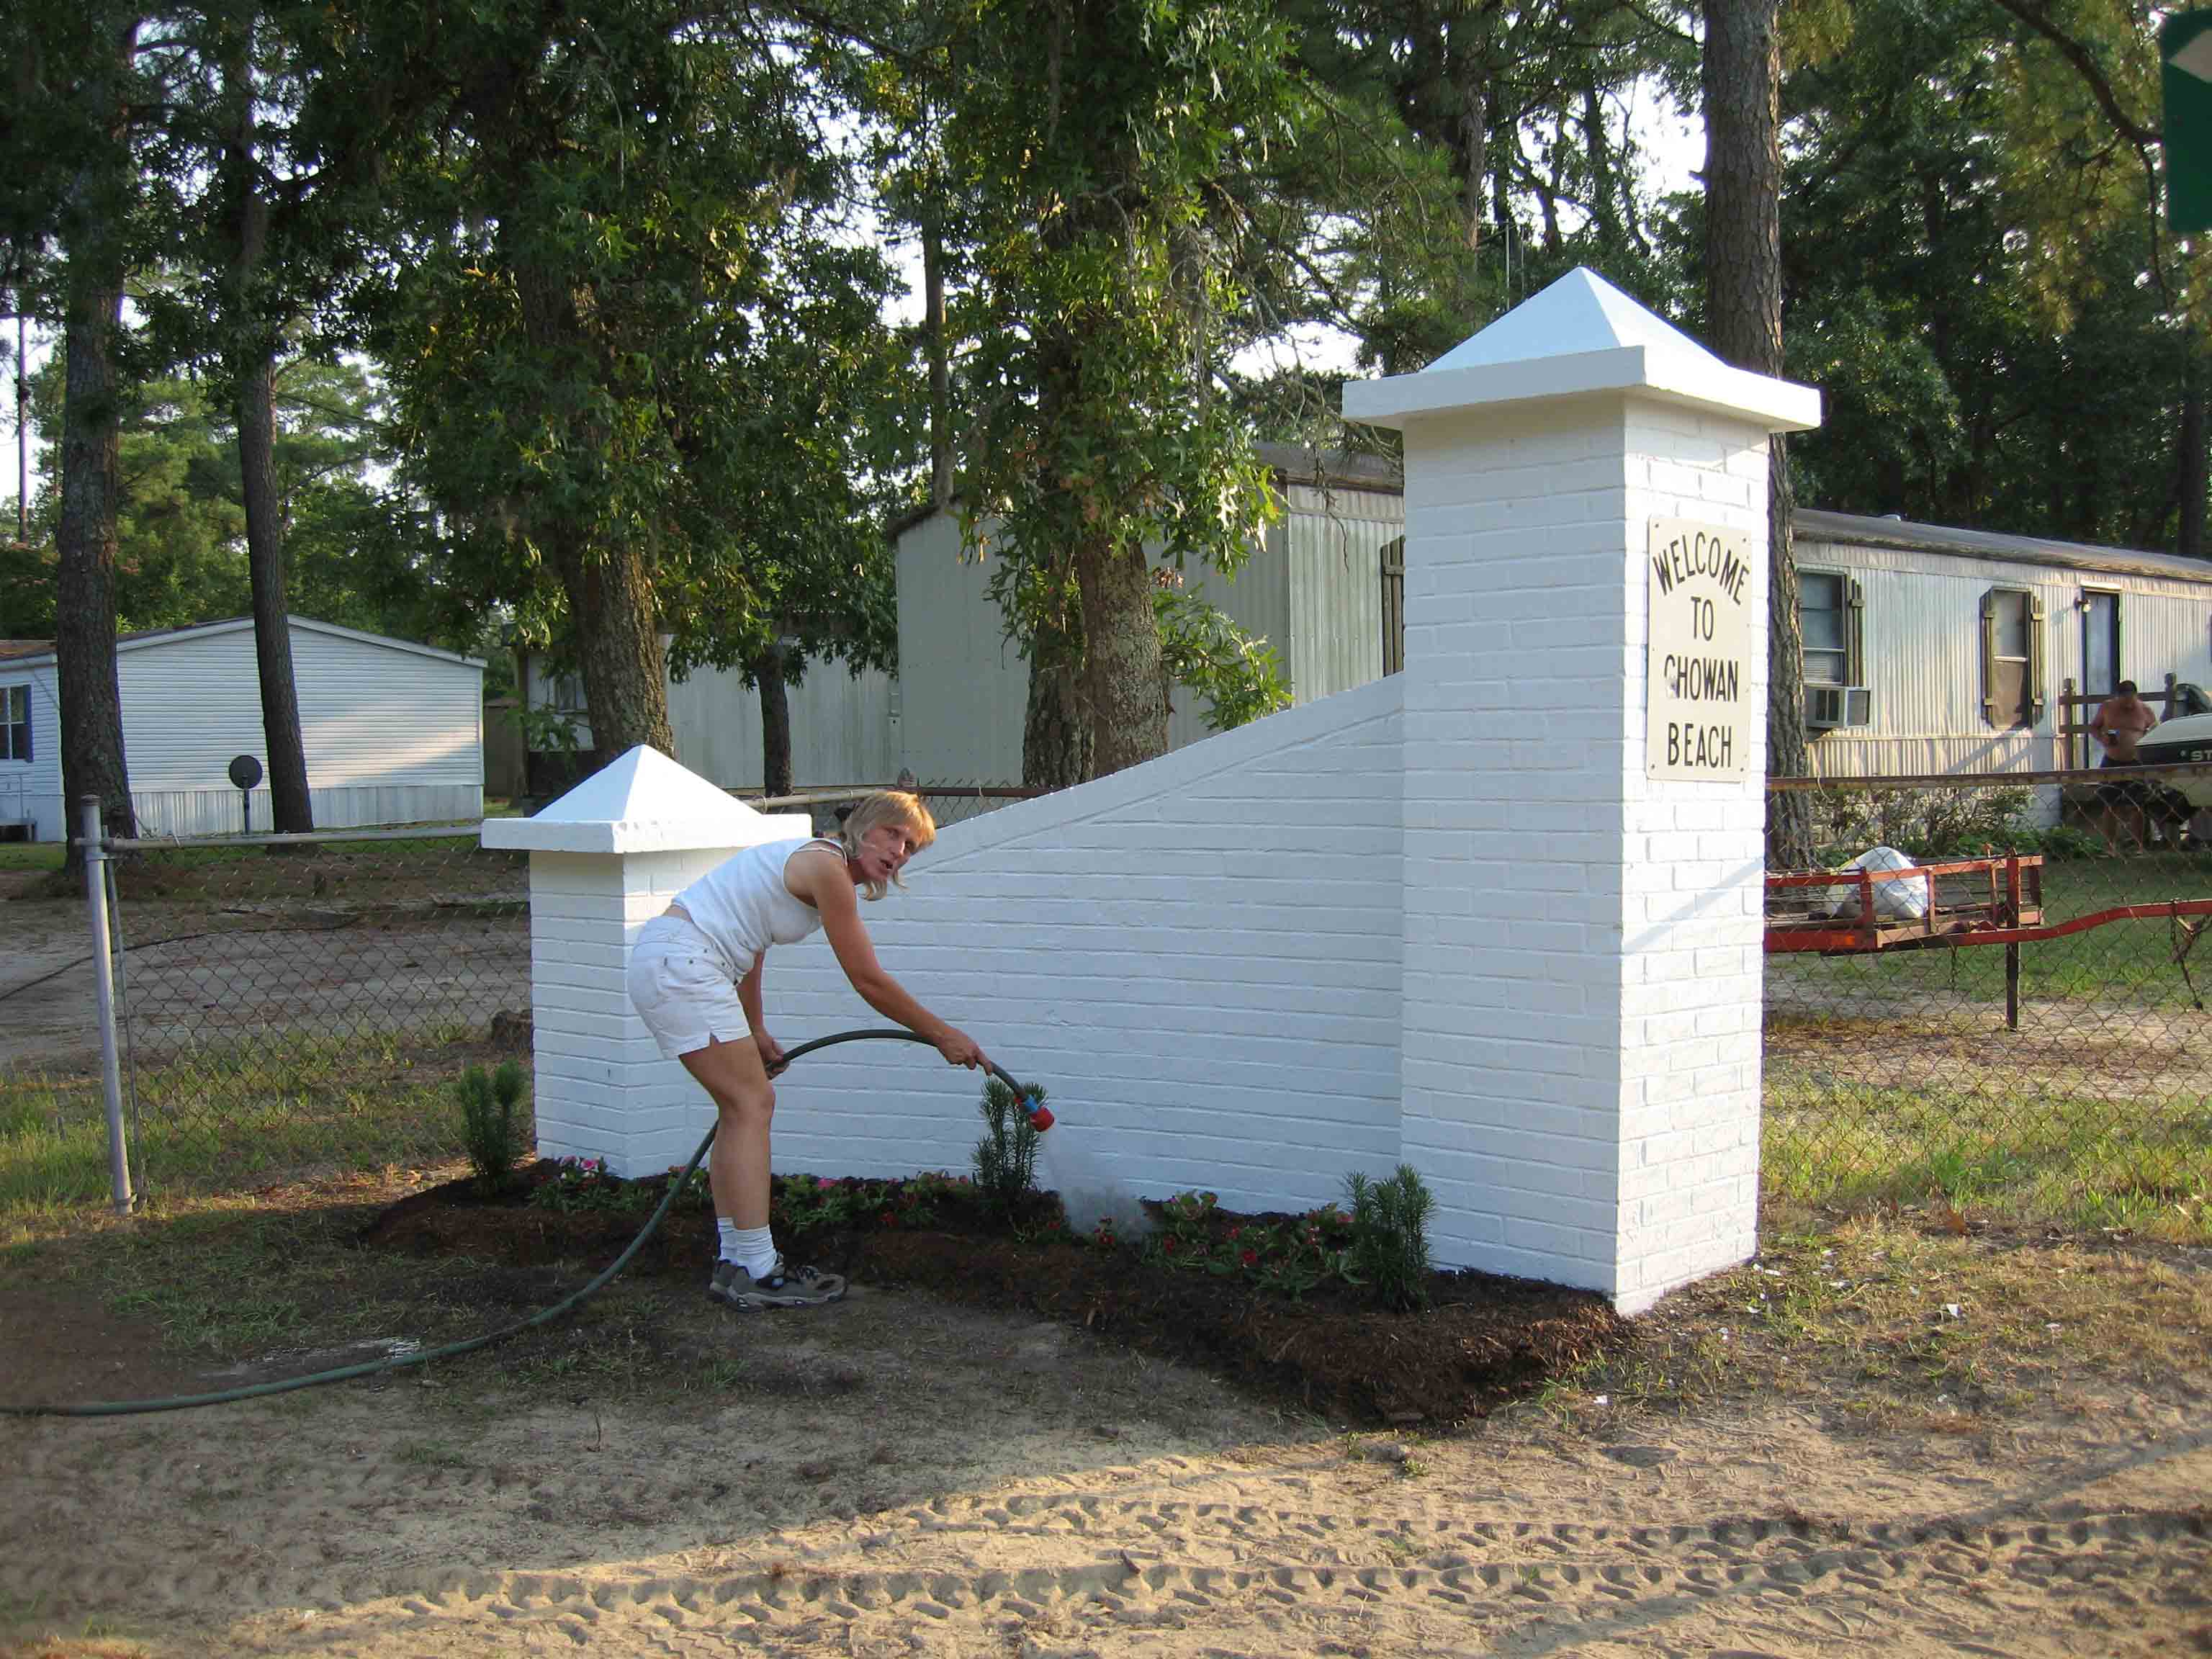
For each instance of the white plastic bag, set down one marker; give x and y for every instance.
(1893, 901)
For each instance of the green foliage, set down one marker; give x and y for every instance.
(1289, 1257)
(584, 1184)
(1389, 1235)
(1240, 676)
(800, 1204)
(1006, 1158)
(638, 366)
(488, 1128)
(1994, 352)
(1928, 824)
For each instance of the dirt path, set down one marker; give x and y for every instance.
(899, 1477)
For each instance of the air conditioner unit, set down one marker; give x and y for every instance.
(1828, 707)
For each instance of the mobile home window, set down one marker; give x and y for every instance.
(2012, 658)
(14, 722)
(1830, 613)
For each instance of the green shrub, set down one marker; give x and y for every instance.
(1390, 1236)
(1006, 1158)
(488, 1129)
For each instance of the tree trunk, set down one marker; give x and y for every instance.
(292, 810)
(91, 459)
(1121, 668)
(612, 614)
(1057, 745)
(775, 720)
(84, 599)
(2190, 460)
(1742, 81)
(617, 635)
(940, 370)
(252, 372)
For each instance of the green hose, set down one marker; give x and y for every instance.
(399, 1362)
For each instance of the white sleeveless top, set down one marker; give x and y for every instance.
(743, 906)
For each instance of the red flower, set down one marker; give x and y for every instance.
(1250, 1258)
(1168, 1246)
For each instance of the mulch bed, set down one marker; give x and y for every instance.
(1483, 1339)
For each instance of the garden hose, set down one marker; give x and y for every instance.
(1040, 1118)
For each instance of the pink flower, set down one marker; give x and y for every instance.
(822, 1184)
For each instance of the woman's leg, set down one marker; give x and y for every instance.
(744, 1101)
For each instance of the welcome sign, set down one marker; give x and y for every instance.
(1698, 712)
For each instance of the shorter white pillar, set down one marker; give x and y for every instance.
(604, 858)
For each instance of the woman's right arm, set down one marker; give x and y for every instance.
(821, 877)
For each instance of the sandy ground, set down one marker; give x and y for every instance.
(891, 1476)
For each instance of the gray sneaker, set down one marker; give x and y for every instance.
(779, 1287)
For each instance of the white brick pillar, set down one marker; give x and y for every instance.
(604, 858)
(1583, 938)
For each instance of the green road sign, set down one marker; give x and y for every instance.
(2184, 50)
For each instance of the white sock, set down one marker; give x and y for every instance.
(751, 1248)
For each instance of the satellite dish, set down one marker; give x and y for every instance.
(245, 771)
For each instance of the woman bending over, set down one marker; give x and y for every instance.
(695, 979)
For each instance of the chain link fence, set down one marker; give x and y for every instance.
(289, 1003)
(284, 1003)
(2011, 1015)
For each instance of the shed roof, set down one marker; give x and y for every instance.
(37, 650)
(1852, 529)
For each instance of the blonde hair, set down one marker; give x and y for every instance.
(886, 806)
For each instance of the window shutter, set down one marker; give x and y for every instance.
(1989, 657)
(1855, 631)
(2035, 617)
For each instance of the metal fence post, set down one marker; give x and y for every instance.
(103, 975)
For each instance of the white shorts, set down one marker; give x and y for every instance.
(684, 987)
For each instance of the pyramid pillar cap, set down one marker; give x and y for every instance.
(1580, 337)
(643, 802)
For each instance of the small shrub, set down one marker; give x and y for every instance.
(1006, 1158)
(1390, 1236)
(489, 1130)
(581, 1184)
(810, 1203)
(1290, 1256)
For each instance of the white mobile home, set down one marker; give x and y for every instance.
(1314, 592)
(394, 732)
(1931, 650)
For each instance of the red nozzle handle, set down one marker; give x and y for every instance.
(1040, 1118)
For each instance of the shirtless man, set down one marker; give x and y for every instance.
(2120, 724)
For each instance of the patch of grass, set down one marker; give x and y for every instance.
(32, 855)
(1886, 1320)
(2077, 1161)
(310, 1106)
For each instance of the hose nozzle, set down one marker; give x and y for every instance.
(1032, 1107)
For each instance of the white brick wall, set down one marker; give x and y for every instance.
(1446, 918)
(1198, 958)
(1583, 1114)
